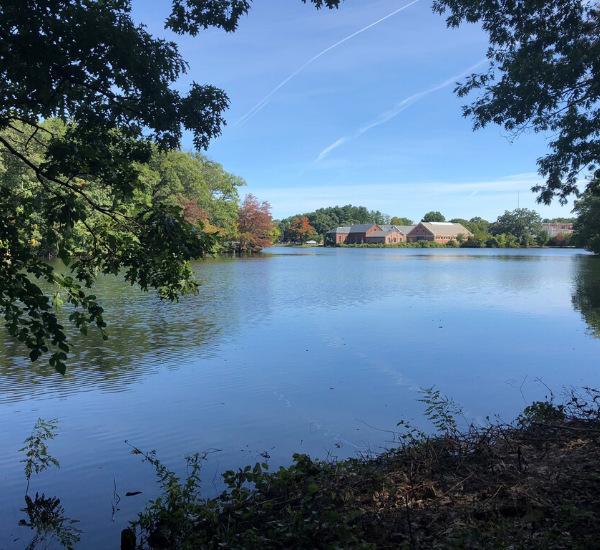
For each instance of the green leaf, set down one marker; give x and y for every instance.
(313, 488)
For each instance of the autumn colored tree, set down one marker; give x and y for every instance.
(255, 225)
(300, 230)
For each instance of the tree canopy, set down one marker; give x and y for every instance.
(324, 220)
(476, 225)
(89, 99)
(587, 225)
(520, 222)
(300, 230)
(542, 76)
(401, 221)
(433, 217)
(255, 225)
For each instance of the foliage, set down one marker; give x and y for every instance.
(520, 223)
(441, 410)
(586, 294)
(401, 221)
(38, 458)
(299, 231)
(541, 77)
(46, 516)
(433, 217)
(324, 220)
(259, 509)
(488, 485)
(74, 134)
(560, 240)
(93, 229)
(587, 225)
(476, 225)
(541, 411)
(275, 234)
(542, 238)
(255, 225)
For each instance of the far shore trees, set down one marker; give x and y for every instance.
(324, 220)
(522, 223)
(433, 217)
(299, 231)
(401, 221)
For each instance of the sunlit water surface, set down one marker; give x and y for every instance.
(295, 350)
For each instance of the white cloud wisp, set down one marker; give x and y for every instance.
(264, 101)
(388, 115)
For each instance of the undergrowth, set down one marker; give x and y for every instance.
(528, 484)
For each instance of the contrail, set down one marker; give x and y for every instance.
(263, 101)
(388, 115)
(262, 104)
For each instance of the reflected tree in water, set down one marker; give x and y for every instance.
(586, 297)
(46, 517)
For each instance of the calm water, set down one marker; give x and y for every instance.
(297, 350)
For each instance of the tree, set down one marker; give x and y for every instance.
(255, 225)
(112, 86)
(324, 220)
(521, 223)
(542, 238)
(587, 225)
(433, 217)
(274, 233)
(586, 293)
(559, 240)
(401, 221)
(477, 225)
(542, 77)
(300, 230)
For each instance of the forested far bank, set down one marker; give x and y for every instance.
(521, 227)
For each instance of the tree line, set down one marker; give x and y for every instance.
(521, 227)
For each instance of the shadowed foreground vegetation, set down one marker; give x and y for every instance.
(529, 484)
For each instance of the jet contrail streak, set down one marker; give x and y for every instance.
(388, 115)
(263, 101)
(255, 112)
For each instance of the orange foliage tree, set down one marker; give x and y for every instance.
(300, 230)
(255, 224)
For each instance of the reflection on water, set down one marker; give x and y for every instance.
(298, 350)
(46, 518)
(586, 297)
(147, 333)
(144, 333)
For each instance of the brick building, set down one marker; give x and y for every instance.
(370, 234)
(440, 232)
(555, 228)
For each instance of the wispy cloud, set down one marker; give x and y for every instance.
(265, 99)
(388, 115)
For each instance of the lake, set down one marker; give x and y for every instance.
(307, 350)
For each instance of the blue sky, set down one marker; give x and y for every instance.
(371, 122)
